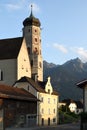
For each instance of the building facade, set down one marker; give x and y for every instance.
(16, 108)
(83, 85)
(47, 108)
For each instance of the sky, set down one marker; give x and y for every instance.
(63, 26)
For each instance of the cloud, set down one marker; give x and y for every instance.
(82, 53)
(15, 5)
(60, 47)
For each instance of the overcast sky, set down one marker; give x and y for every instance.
(63, 23)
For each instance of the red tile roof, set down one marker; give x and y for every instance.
(9, 48)
(15, 93)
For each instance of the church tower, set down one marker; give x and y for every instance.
(32, 35)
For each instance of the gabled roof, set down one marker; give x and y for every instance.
(32, 82)
(82, 83)
(38, 85)
(9, 48)
(15, 93)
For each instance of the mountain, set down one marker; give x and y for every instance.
(64, 77)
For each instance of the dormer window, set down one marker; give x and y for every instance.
(49, 91)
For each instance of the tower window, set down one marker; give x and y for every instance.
(35, 30)
(35, 39)
(40, 65)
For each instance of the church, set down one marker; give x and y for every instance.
(22, 56)
(21, 67)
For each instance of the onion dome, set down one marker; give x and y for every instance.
(31, 20)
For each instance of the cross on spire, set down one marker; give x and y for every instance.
(31, 10)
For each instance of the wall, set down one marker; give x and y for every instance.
(19, 113)
(9, 71)
(23, 66)
(85, 101)
(48, 109)
(27, 87)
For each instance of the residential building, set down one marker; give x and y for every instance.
(74, 106)
(47, 107)
(83, 85)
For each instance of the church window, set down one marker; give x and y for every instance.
(22, 67)
(26, 69)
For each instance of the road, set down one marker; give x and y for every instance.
(73, 126)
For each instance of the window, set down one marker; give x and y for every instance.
(48, 100)
(40, 65)
(42, 111)
(28, 88)
(54, 119)
(49, 111)
(35, 30)
(54, 101)
(54, 111)
(49, 91)
(35, 39)
(29, 30)
(42, 99)
(31, 62)
(1, 75)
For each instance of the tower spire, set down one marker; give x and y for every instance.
(31, 11)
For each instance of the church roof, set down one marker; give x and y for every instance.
(31, 20)
(10, 92)
(9, 48)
